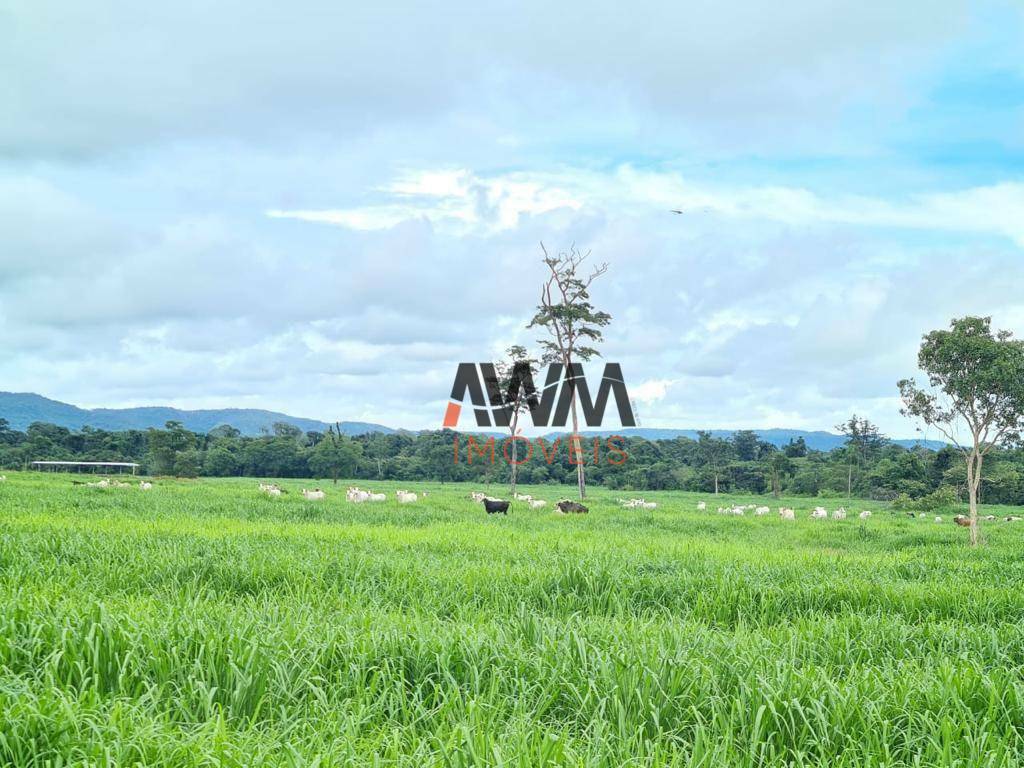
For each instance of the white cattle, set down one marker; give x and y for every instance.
(523, 497)
(865, 514)
(3, 478)
(104, 483)
(378, 497)
(143, 485)
(738, 511)
(405, 497)
(819, 513)
(315, 495)
(537, 503)
(269, 486)
(649, 504)
(477, 496)
(1013, 519)
(787, 513)
(839, 514)
(938, 518)
(357, 496)
(273, 491)
(701, 505)
(761, 511)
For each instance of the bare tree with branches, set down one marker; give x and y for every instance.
(573, 324)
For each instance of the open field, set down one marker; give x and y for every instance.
(202, 623)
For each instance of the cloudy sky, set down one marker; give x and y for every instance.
(321, 209)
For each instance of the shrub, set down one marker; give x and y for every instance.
(903, 502)
(943, 496)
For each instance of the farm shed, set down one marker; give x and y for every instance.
(86, 466)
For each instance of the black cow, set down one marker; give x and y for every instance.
(493, 506)
(571, 506)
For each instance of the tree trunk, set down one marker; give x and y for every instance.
(973, 482)
(716, 483)
(515, 453)
(581, 479)
(849, 481)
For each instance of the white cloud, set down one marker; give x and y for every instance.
(99, 77)
(154, 215)
(462, 202)
(651, 390)
(456, 201)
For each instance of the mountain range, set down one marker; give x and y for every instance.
(22, 408)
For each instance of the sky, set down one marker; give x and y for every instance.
(322, 207)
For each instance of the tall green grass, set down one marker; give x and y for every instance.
(204, 624)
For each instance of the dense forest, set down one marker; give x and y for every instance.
(867, 466)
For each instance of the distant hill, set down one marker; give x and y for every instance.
(22, 408)
(818, 441)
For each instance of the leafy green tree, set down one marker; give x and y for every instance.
(779, 466)
(376, 449)
(806, 481)
(746, 474)
(977, 382)
(942, 461)
(220, 462)
(164, 445)
(572, 323)
(335, 456)
(863, 441)
(284, 429)
(903, 472)
(275, 457)
(186, 463)
(796, 448)
(7, 435)
(515, 399)
(746, 444)
(714, 452)
(1003, 485)
(47, 441)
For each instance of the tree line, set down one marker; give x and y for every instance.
(867, 466)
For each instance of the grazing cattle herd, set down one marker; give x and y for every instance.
(639, 504)
(494, 505)
(144, 485)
